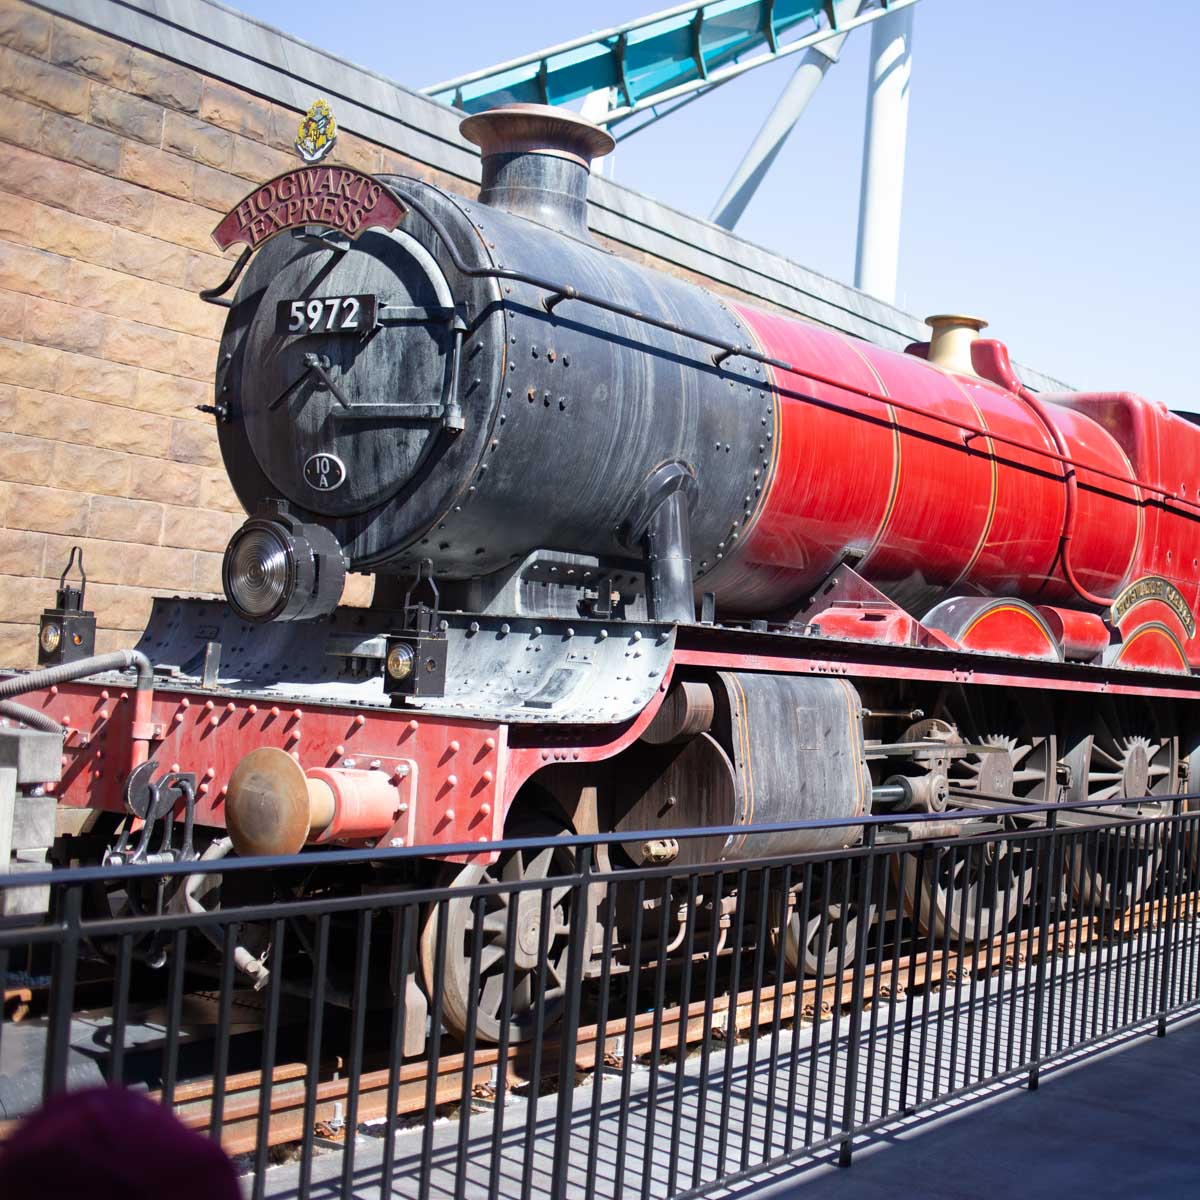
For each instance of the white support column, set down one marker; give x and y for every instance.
(801, 88)
(882, 192)
(595, 107)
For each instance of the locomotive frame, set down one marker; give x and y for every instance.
(920, 585)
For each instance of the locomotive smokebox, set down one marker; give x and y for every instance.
(536, 162)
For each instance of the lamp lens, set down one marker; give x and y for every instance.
(258, 573)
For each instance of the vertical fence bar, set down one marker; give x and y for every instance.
(174, 1016)
(931, 859)
(967, 929)
(536, 1044)
(850, 1096)
(403, 936)
(270, 1038)
(887, 1107)
(660, 989)
(1129, 904)
(467, 1088)
(362, 961)
(441, 918)
(312, 1076)
(909, 860)
(224, 1020)
(710, 993)
(1009, 1000)
(121, 982)
(578, 934)
(500, 1099)
(1148, 935)
(606, 957)
(731, 1018)
(760, 951)
(839, 972)
(64, 960)
(798, 1009)
(880, 909)
(1076, 846)
(681, 1033)
(949, 854)
(820, 971)
(1168, 937)
(989, 895)
(1048, 883)
(635, 967)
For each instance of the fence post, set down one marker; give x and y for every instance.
(856, 1001)
(1039, 996)
(1168, 940)
(570, 1029)
(65, 959)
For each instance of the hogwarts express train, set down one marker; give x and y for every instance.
(645, 559)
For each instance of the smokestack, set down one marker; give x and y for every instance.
(950, 345)
(536, 162)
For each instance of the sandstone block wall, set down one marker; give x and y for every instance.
(115, 165)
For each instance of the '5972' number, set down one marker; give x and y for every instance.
(326, 314)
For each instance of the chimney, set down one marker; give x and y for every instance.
(950, 345)
(536, 162)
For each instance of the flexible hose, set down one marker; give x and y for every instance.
(117, 660)
(30, 716)
(186, 899)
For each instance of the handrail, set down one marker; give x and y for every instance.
(85, 875)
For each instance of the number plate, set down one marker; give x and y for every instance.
(325, 314)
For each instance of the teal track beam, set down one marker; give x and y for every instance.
(781, 120)
(660, 57)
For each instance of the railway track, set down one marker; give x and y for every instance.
(243, 1092)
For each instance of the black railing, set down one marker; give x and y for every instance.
(564, 1023)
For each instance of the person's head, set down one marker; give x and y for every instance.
(111, 1144)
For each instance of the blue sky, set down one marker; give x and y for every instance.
(1053, 170)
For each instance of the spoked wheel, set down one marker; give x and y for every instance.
(820, 942)
(484, 924)
(970, 892)
(1018, 756)
(1127, 751)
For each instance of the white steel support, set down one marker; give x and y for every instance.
(781, 120)
(595, 107)
(880, 200)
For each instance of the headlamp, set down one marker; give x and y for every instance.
(277, 568)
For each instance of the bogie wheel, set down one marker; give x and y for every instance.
(970, 892)
(1122, 749)
(479, 949)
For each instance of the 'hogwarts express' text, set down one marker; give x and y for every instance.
(336, 197)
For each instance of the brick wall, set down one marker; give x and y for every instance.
(114, 167)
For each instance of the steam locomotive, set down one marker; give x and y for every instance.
(646, 559)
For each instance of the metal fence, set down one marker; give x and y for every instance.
(561, 1024)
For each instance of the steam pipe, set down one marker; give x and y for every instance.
(96, 664)
(30, 716)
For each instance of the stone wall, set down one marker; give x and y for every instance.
(116, 165)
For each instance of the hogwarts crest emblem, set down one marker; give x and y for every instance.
(318, 132)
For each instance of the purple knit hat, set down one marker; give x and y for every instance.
(111, 1144)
